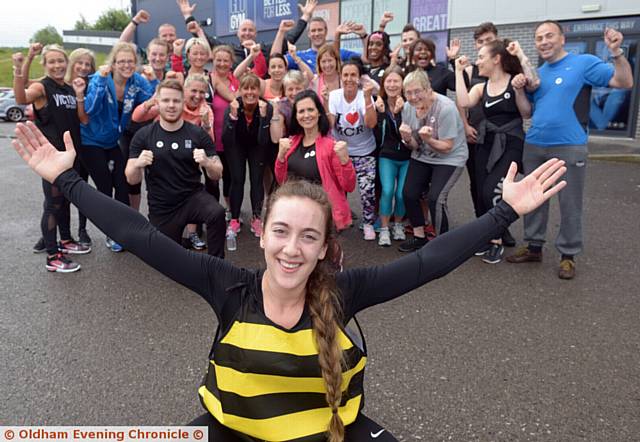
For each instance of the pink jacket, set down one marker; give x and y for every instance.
(337, 179)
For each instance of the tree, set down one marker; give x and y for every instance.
(82, 24)
(112, 20)
(47, 36)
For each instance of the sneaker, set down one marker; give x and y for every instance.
(523, 254)
(494, 254)
(62, 264)
(412, 244)
(483, 250)
(113, 246)
(507, 239)
(384, 239)
(73, 248)
(567, 269)
(430, 231)
(195, 242)
(397, 232)
(84, 238)
(234, 225)
(256, 226)
(369, 233)
(39, 246)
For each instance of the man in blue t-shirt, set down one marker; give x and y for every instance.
(317, 33)
(559, 129)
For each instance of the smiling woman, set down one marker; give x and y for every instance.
(284, 365)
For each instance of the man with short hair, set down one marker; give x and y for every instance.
(171, 152)
(559, 129)
(317, 33)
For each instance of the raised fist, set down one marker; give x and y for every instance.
(35, 49)
(233, 109)
(380, 104)
(145, 159)
(519, 81)
(104, 70)
(262, 105)
(462, 63)
(142, 16)
(405, 132)
(397, 108)
(341, 150)
(78, 85)
(178, 45)
(425, 133)
(283, 147)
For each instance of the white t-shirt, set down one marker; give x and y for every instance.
(350, 125)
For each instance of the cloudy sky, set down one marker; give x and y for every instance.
(21, 18)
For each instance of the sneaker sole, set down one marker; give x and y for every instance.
(54, 269)
(74, 252)
(491, 261)
(385, 245)
(37, 251)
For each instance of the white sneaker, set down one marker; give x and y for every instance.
(384, 238)
(398, 232)
(369, 233)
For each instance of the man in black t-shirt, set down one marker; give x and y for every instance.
(171, 152)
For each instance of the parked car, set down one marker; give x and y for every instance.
(9, 109)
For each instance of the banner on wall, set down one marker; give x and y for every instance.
(330, 12)
(267, 14)
(430, 18)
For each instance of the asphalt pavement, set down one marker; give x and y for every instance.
(488, 353)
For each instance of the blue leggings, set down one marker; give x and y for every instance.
(392, 171)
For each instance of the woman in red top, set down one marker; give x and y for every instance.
(312, 154)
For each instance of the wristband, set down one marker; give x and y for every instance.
(189, 19)
(134, 22)
(619, 54)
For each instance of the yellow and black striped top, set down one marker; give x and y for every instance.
(265, 381)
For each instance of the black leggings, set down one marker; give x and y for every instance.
(471, 170)
(437, 180)
(237, 156)
(199, 208)
(124, 143)
(489, 184)
(213, 187)
(361, 430)
(79, 167)
(55, 213)
(106, 178)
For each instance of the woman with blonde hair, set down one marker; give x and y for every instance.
(112, 95)
(284, 364)
(54, 105)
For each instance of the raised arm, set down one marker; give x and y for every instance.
(623, 75)
(79, 87)
(370, 286)
(204, 274)
(34, 92)
(529, 71)
(519, 83)
(466, 99)
(245, 65)
(129, 31)
(302, 66)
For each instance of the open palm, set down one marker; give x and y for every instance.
(40, 154)
(529, 193)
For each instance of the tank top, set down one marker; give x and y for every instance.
(268, 95)
(59, 114)
(500, 109)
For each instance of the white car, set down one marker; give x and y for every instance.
(9, 109)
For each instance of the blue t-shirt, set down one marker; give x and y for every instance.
(561, 102)
(309, 57)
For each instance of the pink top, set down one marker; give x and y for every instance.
(219, 105)
(337, 179)
(268, 95)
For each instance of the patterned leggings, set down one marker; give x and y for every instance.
(366, 176)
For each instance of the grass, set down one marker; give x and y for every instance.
(6, 66)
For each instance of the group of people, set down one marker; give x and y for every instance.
(379, 121)
(311, 125)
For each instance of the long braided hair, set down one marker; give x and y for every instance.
(323, 300)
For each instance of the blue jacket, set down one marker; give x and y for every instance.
(100, 103)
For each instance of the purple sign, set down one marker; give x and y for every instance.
(267, 14)
(430, 18)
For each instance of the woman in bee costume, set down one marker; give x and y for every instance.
(284, 366)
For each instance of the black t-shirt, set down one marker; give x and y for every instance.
(174, 175)
(502, 108)
(441, 79)
(59, 115)
(302, 163)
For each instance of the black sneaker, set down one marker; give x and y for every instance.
(412, 244)
(507, 239)
(84, 238)
(195, 242)
(39, 246)
(494, 255)
(483, 251)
